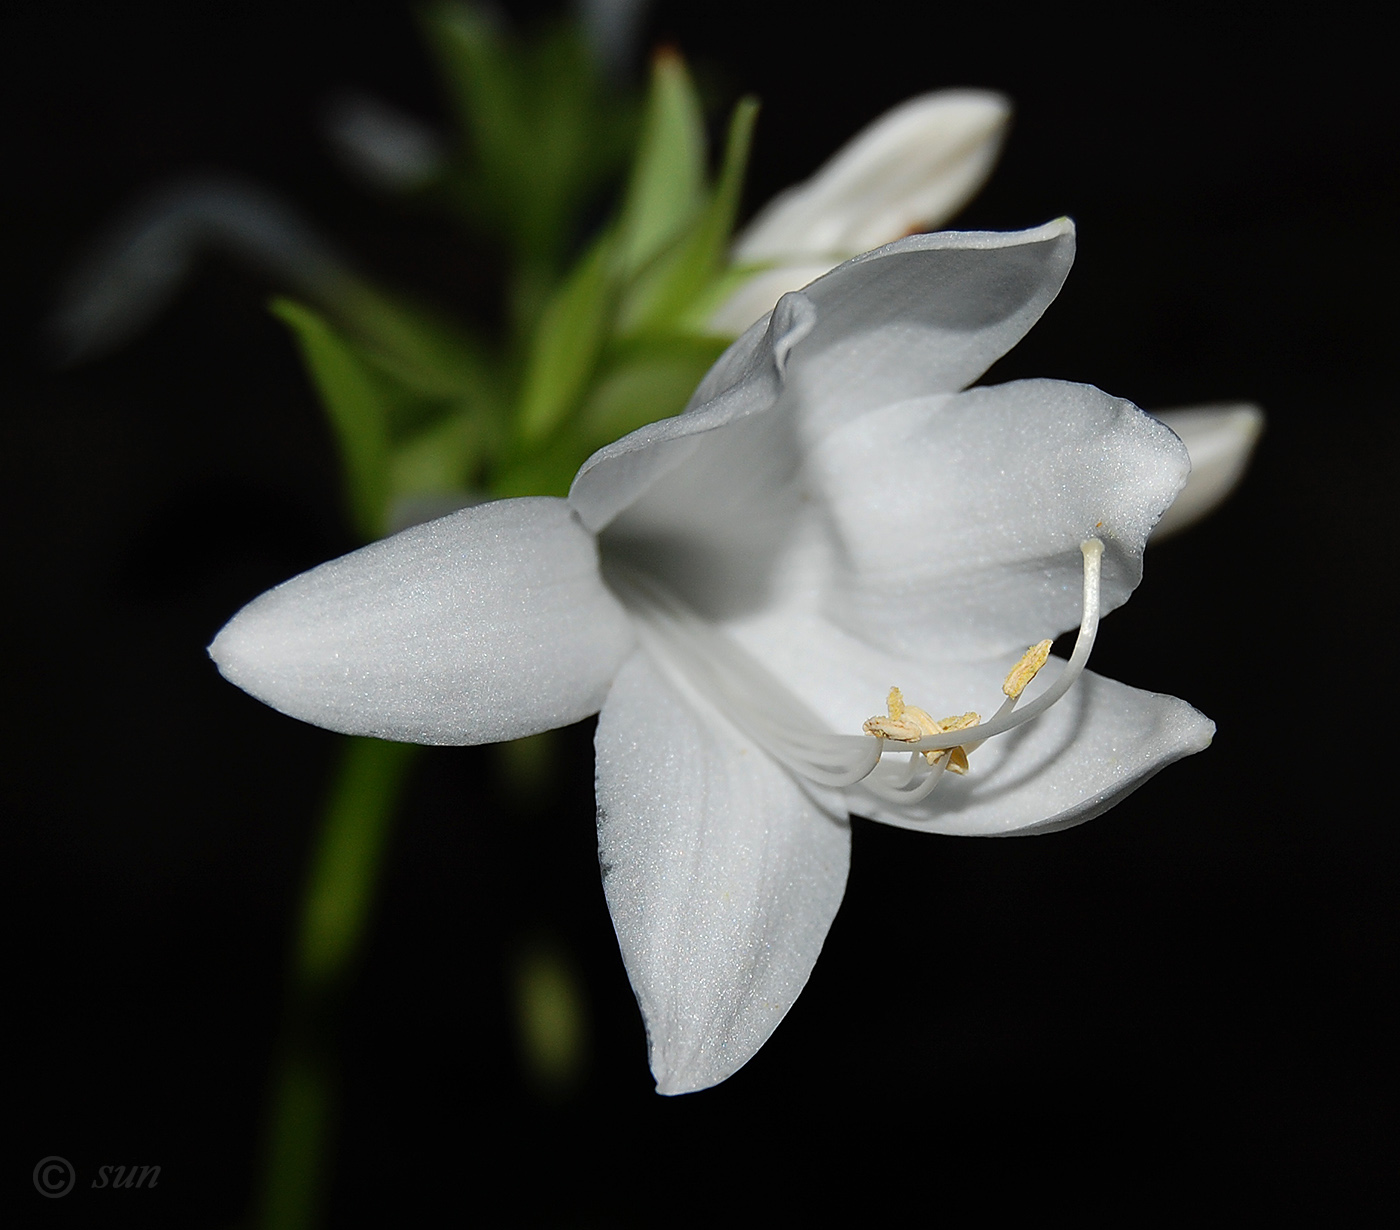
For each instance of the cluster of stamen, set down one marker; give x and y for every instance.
(909, 724)
(905, 723)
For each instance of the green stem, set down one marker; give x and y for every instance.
(339, 896)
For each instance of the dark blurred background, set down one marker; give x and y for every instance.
(1195, 989)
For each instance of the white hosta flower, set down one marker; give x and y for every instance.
(911, 170)
(737, 589)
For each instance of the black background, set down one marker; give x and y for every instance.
(1195, 988)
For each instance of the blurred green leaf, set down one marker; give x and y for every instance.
(665, 294)
(340, 889)
(567, 343)
(478, 75)
(444, 458)
(542, 129)
(641, 383)
(357, 403)
(552, 1018)
(425, 353)
(546, 471)
(695, 320)
(667, 185)
(636, 383)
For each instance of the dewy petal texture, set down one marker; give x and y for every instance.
(722, 876)
(960, 518)
(923, 316)
(928, 314)
(486, 625)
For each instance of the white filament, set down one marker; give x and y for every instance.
(750, 696)
(765, 710)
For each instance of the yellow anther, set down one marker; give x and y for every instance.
(1026, 669)
(957, 758)
(909, 724)
(895, 703)
(902, 723)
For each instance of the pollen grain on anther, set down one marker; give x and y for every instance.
(1026, 669)
(907, 723)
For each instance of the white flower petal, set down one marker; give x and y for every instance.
(721, 874)
(911, 169)
(489, 624)
(1221, 440)
(959, 519)
(912, 319)
(745, 381)
(928, 314)
(1103, 740)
